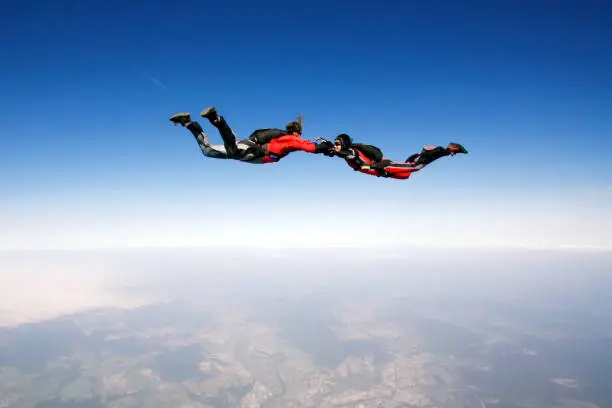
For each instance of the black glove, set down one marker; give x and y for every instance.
(325, 147)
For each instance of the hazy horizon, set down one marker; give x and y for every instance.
(53, 283)
(333, 327)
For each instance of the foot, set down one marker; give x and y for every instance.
(180, 119)
(209, 113)
(456, 148)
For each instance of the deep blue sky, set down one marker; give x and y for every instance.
(86, 89)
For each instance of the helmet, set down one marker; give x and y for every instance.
(344, 139)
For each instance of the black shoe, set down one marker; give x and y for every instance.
(210, 113)
(456, 148)
(180, 119)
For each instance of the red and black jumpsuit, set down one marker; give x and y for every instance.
(263, 145)
(392, 169)
(276, 144)
(384, 168)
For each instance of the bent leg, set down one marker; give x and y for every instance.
(208, 150)
(230, 141)
(430, 154)
(228, 136)
(417, 161)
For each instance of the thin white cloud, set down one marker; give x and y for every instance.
(154, 80)
(157, 82)
(38, 286)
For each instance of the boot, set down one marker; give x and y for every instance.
(210, 114)
(455, 148)
(180, 119)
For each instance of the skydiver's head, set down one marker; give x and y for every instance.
(342, 141)
(294, 127)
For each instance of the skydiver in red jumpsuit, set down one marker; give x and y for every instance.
(263, 146)
(369, 159)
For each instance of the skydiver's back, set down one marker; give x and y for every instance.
(263, 136)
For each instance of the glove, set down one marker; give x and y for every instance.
(325, 147)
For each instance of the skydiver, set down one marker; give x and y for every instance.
(369, 159)
(268, 145)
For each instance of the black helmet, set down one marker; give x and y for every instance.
(344, 140)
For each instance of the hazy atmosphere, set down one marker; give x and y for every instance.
(138, 271)
(306, 328)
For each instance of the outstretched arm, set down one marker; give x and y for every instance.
(347, 154)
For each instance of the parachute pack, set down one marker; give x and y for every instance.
(262, 136)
